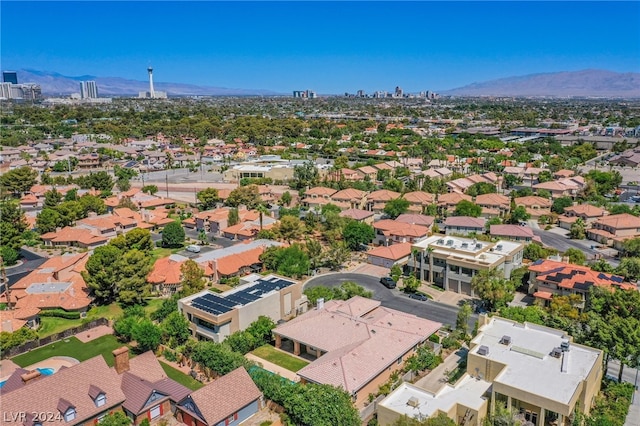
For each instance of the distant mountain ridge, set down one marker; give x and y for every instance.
(53, 83)
(587, 83)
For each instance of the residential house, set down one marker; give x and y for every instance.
(438, 173)
(534, 205)
(363, 216)
(493, 205)
(378, 199)
(368, 173)
(451, 262)
(231, 399)
(464, 225)
(15, 319)
(462, 184)
(586, 212)
(391, 232)
(349, 175)
(387, 256)
(535, 372)
(512, 232)
(248, 230)
(166, 274)
(351, 343)
(419, 201)
(317, 197)
(566, 187)
(349, 198)
(617, 227)
(215, 316)
(417, 219)
(549, 278)
(448, 202)
(74, 237)
(80, 395)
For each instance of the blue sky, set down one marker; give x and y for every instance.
(329, 47)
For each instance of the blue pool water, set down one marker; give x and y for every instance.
(43, 371)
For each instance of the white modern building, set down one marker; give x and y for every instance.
(88, 90)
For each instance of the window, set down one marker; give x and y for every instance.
(232, 418)
(70, 414)
(155, 412)
(100, 400)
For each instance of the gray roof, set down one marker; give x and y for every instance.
(238, 248)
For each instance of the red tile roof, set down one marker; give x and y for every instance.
(392, 252)
(570, 276)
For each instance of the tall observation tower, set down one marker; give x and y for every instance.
(152, 94)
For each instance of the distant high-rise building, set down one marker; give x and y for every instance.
(398, 92)
(151, 91)
(360, 94)
(10, 77)
(304, 94)
(88, 90)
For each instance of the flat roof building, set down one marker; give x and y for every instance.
(215, 316)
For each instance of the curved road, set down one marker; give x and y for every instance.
(394, 299)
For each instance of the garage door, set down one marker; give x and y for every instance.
(155, 412)
(465, 288)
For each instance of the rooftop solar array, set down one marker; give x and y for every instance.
(217, 304)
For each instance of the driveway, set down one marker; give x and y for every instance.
(394, 299)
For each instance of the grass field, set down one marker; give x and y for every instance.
(180, 377)
(72, 347)
(284, 360)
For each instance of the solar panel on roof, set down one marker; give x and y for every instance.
(617, 279)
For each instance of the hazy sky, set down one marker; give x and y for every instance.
(329, 47)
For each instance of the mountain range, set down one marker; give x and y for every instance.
(585, 83)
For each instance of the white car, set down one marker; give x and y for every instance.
(193, 248)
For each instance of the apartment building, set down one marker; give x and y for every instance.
(451, 262)
(215, 316)
(534, 371)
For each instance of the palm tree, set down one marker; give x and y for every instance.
(429, 252)
(414, 255)
(262, 210)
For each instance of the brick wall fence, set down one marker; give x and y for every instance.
(17, 350)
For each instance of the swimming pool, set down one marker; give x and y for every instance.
(43, 371)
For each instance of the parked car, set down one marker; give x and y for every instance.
(388, 282)
(193, 248)
(418, 296)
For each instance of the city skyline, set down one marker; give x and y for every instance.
(323, 46)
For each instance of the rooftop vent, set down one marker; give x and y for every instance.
(440, 241)
(478, 245)
(465, 245)
(499, 247)
(413, 402)
(483, 350)
(556, 352)
(506, 340)
(564, 346)
(449, 242)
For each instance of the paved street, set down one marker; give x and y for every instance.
(30, 261)
(562, 243)
(394, 299)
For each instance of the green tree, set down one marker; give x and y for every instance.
(9, 256)
(173, 235)
(559, 204)
(150, 189)
(100, 275)
(124, 173)
(13, 224)
(51, 199)
(631, 247)
(91, 203)
(48, 220)
(319, 292)
(314, 250)
(18, 181)
(175, 328)
(467, 208)
(629, 268)
(248, 196)
(241, 342)
(356, 234)
(577, 230)
(139, 239)
(462, 320)
(115, 419)
(132, 268)
(208, 198)
(395, 208)
(290, 228)
(336, 255)
(492, 288)
(396, 272)
(233, 218)
(192, 278)
(481, 188)
(411, 284)
(147, 335)
(168, 306)
(261, 329)
(576, 256)
(519, 214)
(285, 199)
(123, 184)
(218, 357)
(305, 176)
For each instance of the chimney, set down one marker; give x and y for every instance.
(30, 376)
(121, 356)
(320, 303)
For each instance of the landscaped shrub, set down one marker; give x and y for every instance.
(59, 313)
(450, 342)
(434, 338)
(170, 355)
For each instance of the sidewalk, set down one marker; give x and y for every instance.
(633, 418)
(446, 297)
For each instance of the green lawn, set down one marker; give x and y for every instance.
(284, 360)
(160, 252)
(72, 347)
(180, 377)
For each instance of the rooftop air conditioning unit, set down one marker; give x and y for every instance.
(413, 402)
(564, 346)
(499, 247)
(478, 245)
(440, 241)
(483, 350)
(556, 352)
(465, 245)
(506, 340)
(449, 242)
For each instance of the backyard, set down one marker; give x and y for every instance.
(180, 377)
(74, 348)
(282, 359)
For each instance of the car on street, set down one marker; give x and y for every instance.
(193, 248)
(418, 296)
(388, 282)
